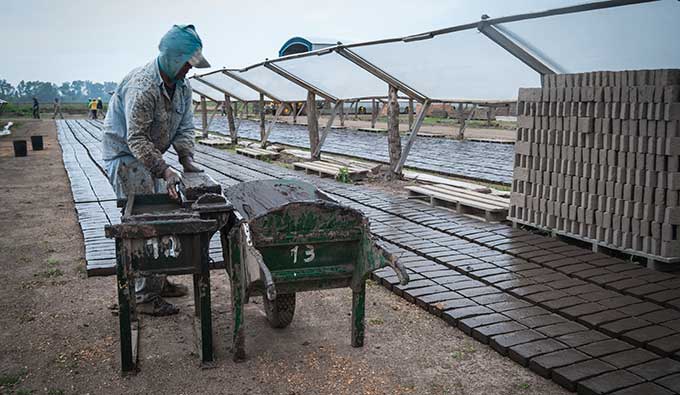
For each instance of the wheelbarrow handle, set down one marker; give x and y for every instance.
(267, 279)
(392, 261)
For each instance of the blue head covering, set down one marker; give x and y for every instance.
(177, 46)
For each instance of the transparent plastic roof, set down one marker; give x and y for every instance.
(336, 76)
(640, 36)
(231, 86)
(205, 90)
(463, 64)
(273, 83)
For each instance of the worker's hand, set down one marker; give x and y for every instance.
(188, 164)
(172, 177)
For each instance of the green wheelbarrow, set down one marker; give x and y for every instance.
(290, 237)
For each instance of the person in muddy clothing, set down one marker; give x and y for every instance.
(36, 108)
(149, 112)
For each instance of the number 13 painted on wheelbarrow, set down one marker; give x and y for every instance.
(309, 254)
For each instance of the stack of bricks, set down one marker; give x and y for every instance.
(598, 158)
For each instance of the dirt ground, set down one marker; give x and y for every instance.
(59, 335)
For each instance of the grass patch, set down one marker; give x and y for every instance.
(10, 379)
(463, 353)
(53, 261)
(343, 176)
(50, 273)
(55, 391)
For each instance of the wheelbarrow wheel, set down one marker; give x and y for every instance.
(280, 312)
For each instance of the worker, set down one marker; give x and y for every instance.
(100, 106)
(149, 112)
(36, 108)
(93, 108)
(57, 109)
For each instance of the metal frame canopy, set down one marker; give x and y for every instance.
(471, 62)
(449, 64)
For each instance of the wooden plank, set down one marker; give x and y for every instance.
(482, 196)
(457, 199)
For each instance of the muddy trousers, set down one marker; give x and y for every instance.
(128, 176)
(148, 286)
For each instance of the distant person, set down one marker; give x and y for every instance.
(57, 108)
(100, 106)
(93, 108)
(149, 112)
(36, 108)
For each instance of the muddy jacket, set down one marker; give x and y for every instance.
(142, 122)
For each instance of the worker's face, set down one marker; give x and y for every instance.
(183, 71)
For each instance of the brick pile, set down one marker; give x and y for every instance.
(598, 158)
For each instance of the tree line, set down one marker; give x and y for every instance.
(69, 92)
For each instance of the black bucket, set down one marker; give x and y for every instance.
(37, 143)
(20, 148)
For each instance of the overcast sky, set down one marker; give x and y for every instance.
(102, 40)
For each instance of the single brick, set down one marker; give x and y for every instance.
(658, 368)
(562, 303)
(630, 357)
(411, 294)
(483, 333)
(583, 309)
(671, 382)
(501, 343)
(624, 325)
(569, 376)
(666, 345)
(639, 308)
(438, 308)
(602, 317)
(643, 389)
(522, 353)
(578, 339)
(561, 329)
(544, 364)
(644, 335)
(605, 347)
(452, 316)
(608, 382)
(467, 324)
(526, 312)
(538, 321)
(660, 316)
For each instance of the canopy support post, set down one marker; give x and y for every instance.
(410, 113)
(230, 119)
(393, 137)
(463, 121)
(329, 125)
(212, 116)
(279, 110)
(420, 117)
(312, 126)
(262, 123)
(204, 117)
(374, 113)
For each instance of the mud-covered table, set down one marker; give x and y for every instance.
(158, 235)
(291, 237)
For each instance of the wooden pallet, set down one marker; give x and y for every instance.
(487, 206)
(372, 130)
(215, 141)
(257, 153)
(326, 169)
